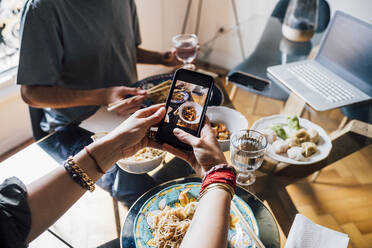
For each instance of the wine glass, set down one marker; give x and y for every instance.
(186, 46)
(247, 149)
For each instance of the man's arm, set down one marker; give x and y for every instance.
(156, 58)
(58, 97)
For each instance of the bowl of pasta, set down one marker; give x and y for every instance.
(145, 160)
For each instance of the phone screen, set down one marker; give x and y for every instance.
(186, 106)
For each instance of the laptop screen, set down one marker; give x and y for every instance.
(347, 50)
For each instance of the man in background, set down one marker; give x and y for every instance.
(79, 55)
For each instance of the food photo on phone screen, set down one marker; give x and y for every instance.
(186, 105)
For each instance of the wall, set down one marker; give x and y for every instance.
(15, 126)
(359, 8)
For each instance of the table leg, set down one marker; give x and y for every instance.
(233, 92)
(293, 106)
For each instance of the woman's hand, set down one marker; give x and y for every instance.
(131, 135)
(206, 151)
(114, 94)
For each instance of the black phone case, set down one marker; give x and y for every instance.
(181, 74)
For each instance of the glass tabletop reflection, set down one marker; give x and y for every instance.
(259, 38)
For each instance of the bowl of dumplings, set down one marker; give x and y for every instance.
(293, 139)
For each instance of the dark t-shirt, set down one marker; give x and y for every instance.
(84, 44)
(15, 215)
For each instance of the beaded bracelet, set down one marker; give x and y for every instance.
(220, 176)
(78, 175)
(99, 169)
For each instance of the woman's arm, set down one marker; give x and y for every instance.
(210, 223)
(55, 193)
(209, 226)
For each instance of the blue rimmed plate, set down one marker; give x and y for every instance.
(237, 236)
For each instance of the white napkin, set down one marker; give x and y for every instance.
(306, 234)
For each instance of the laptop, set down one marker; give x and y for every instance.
(341, 72)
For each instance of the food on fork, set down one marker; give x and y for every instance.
(220, 131)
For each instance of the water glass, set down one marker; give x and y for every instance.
(247, 150)
(186, 46)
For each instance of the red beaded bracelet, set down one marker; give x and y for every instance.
(94, 159)
(220, 174)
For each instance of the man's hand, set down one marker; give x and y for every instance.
(170, 59)
(206, 151)
(114, 94)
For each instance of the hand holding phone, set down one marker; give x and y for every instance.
(206, 150)
(186, 106)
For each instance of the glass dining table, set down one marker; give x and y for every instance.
(252, 46)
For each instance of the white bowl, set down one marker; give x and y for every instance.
(135, 167)
(198, 110)
(140, 167)
(233, 120)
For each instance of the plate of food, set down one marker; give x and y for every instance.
(225, 121)
(293, 139)
(190, 112)
(171, 211)
(217, 97)
(179, 97)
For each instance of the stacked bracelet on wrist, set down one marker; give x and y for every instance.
(219, 177)
(78, 175)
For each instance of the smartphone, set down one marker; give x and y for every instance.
(186, 106)
(249, 80)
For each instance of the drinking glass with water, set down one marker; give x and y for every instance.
(186, 46)
(247, 150)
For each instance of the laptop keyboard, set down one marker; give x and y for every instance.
(319, 82)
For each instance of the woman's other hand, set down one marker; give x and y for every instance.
(131, 135)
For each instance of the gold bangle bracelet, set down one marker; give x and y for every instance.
(213, 186)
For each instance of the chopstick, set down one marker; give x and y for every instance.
(251, 233)
(150, 91)
(165, 83)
